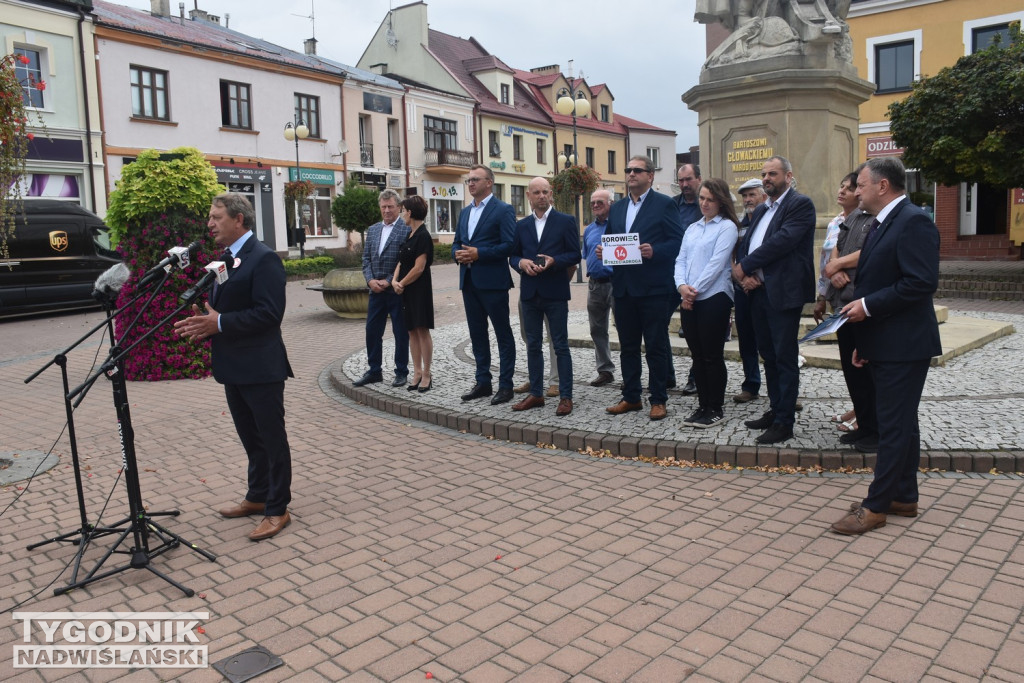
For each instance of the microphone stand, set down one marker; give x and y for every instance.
(139, 524)
(86, 530)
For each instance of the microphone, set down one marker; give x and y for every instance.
(216, 271)
(110, 282)
(176, 256)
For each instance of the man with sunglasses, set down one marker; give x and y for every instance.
(645, 291)
(483, 242)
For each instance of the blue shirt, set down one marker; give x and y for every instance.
(689, 213)
(591, 239)
(705, 257)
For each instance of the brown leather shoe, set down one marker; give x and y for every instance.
(658, 411)
(270, 527)
(744, 397)
(624, 407)
(552, 391)
(523, 388)
(243, 509)
(895, 508)
(564, 407)
(530, 401)
(603, 377)
(859, 521)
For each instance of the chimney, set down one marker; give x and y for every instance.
(160, 8)
(309, 45)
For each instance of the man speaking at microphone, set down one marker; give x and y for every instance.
(243, 322)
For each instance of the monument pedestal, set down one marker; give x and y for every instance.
(809, 116)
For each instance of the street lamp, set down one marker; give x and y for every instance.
(297, 131)
(577, 105)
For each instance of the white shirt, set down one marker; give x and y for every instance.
(540, 222)
(475, 210)
(704, 257)
(385, 235)
(757, 237)
(633, 208)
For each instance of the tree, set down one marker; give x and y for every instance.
(966, 123)
(356, 209)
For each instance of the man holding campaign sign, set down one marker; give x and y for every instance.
(640, 245)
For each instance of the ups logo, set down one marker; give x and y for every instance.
(58, 240)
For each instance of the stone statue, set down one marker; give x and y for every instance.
(773, 28)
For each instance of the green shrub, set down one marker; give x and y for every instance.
(349, 259)
(357, 208)
(315, 266)
(442, 253)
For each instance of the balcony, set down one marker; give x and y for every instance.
(366, 154)
(448, 161)
(395, 156)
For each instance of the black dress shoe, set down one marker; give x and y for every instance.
(368, 378)
(869, 444)
(776, 434)
(851, 438)
(400, 380)
(427, 387)
(503, 396)
(413, 387)
(478, 391)
(763, 422)
(690, 389)
(671, 383)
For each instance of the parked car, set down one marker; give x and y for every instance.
(57, 251)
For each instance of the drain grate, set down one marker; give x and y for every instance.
(247, 664)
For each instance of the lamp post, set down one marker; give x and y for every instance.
(297, 130)
(575, 105)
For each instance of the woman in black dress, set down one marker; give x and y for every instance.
(412, 282)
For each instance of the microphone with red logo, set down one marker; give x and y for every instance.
(216, 272)
(176, 256)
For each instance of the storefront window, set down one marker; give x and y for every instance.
(315, 214)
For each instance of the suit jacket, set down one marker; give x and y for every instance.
(249, 348)
(493, 238)
(382, 266)
(659, 225)
(786, 255)
(897, 274)
(559, 241)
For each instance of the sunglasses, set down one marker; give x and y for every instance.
(633, 169)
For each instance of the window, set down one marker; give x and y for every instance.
(505, 96)
(542, 149)
(894, 66)
(498, 190)
(654, 154)
(611, 161)
(567, 150)
(29, 75)
(394, 145)
(590, 157)
(149, 93)
(493, 146)
(519, 199)
(606, 113)
(439, 133)
(235, 105)
(307, 108)
(983, 37)
(365, 141)
(517, 147)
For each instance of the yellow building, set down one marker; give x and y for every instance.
(898, 41)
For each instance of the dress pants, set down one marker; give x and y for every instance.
(482, 304)
(553, 374)
(747, 342)
(383, 305)
(859, 382)
(556, 311)
(898, 387)
(258, 413)
(703, 329)
(643, 319)
(599, 306)
(776, 333)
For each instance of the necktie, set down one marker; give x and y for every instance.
(228, 260)
(871, 233)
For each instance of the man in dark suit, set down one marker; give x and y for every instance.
(775, 266)
(644, 292)
(895, 334)
(546, 247)
(380, 256)
(483, 242)
(243, 322)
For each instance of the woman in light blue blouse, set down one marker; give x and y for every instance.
(703, 278)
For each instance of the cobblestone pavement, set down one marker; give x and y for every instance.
(418, 549)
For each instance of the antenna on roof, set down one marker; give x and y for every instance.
(311, 16)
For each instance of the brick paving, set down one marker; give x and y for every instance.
(416, 548)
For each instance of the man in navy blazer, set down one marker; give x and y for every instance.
(546, 247)
(645, 292)
(483, 242)
(895, 335)
(380, 256)
(243, 322)
(775, 266)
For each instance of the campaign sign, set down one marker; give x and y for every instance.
(621, 249)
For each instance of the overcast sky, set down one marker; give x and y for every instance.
(648, 52)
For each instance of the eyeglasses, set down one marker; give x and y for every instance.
(597, 203)
(469, 181)
(634, 169)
